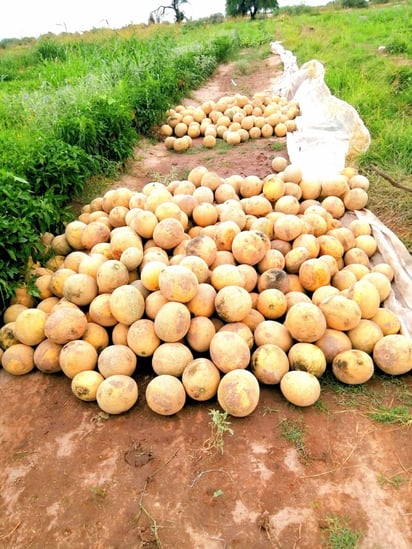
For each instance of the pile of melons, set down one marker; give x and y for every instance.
(225, 284)
(234, 119)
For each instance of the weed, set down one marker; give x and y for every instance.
(391, 415)
(293, 430)
(340, 535)
(218, 493)
(219, 425)
(396, 480)
(98, 493)
(372, 401)
(321, 406)
(277, 146)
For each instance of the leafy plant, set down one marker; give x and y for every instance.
(220, 426)
(339, 534)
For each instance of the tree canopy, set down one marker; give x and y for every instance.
(252, 7)
(175, 6)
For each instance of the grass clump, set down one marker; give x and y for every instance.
(339, 534)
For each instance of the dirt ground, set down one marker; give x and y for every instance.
(286, 477)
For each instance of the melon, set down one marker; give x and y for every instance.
(307, 357)
(116, 359)
(18, 359)
(300, 388)
(269, 363)
(201, 379)
(238, 393)
(117, 394)
(84, 385)
(393, 354)
(353, 367)
(165, 395)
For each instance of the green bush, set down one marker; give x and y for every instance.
(25, 217)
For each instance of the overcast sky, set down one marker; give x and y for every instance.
(22, 18)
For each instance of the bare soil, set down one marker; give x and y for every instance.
(72, 477)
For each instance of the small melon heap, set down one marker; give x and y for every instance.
(234, 119)
(224, 284)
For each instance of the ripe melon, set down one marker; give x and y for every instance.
(117, 394)
(165, 395)
(307, 357)
(116, 359)
(232, 303)
(393, 354)
(229, 351)
(305, 322)
(201, 379)
(84, 385)
(127, 304)
(300, 388)
(171, 358)
(76, 356)
(353, 367)
(65, 324)
(46, 357)
(172, 321)
(29, 326)
(18, 359)
(269, 363)
(178, 283)
(238, 393)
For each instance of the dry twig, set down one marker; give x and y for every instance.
(390, 179)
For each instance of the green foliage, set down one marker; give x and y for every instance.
(251, 7)
(339, 533)
(25, 217)
(46, 50)
(219, 425)
(354, 3)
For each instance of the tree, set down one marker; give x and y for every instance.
(253, 7)
(175, 6)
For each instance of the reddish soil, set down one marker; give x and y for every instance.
(72, 477)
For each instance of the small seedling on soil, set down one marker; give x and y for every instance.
(396, 480)
(340, 536)
(219, 425)
(98, 493)
(293, 431)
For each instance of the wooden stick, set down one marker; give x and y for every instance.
(390, 179)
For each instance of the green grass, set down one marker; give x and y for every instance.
(388, 402)
(293, 430)
(339, 535)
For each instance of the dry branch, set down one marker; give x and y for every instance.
(390, 179)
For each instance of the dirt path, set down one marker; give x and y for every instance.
(72, 478)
